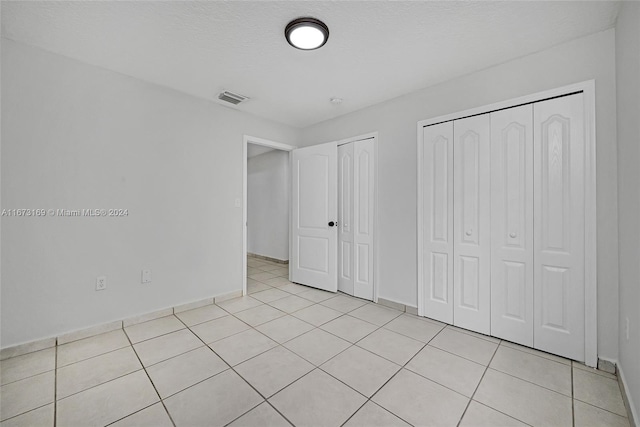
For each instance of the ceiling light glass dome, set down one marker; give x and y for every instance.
(306, 33)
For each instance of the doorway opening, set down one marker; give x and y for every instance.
(266, 205)
(332, 241)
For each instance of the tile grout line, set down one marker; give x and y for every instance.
(27, 377)
(315, 367)
(97, 385)
(96, 356)
(394, 375)
(486, 368)
(573, 409)
(231, 368)
(26, 412)
(522, 350)
(318, 367)
(55, 386)
(149, 377)
(532, 383)
(507, 373)
(603, 409)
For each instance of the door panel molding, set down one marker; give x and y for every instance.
(471, 223)
(512, 224)
(435, 239)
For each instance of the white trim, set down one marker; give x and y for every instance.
(630, 405)
(419, 221)
(590, 225)
(246, 139)
(591, 290)
(71, 336)
(527, 99)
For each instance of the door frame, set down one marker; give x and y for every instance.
(591, 289)
(376, 223)
(246, 140)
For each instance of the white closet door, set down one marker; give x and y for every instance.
(438, 221)
(363, 200)
(345, 219)
(512, 224)
(472, 226)
(559, 226)
(314, 205)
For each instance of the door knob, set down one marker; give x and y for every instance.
(332, 223)
(512, 235)
(469, 232)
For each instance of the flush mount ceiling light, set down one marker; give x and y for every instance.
(306, 33)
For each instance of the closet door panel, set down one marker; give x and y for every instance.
(363, 200)
(345, 219)
(472, 227)
(512, 224)
(559, 226)
(438, 221)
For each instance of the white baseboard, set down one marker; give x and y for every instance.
(89, 332)
(230, 295)
(607, 365)
(67, 337)
(391, 304)
(268, 258)
(192, 305)
(28, 347)
(409, 309)
(153, 315)
(631, 408)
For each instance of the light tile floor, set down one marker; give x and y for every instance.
(287, 354)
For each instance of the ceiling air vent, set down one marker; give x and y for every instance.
(231, 97)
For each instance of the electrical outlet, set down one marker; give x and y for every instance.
(101, 283)
(146, 276)
(627, 328)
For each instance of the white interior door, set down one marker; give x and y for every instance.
(437, 255)
(363, 216)
(512, 224)
(559, 226)
(314, 213)
(472, 224)
(345, 219)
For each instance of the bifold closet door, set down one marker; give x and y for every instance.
(355, 218)
(559, 226)
(363, 214)
(345, 219)
(437, 238)
(472, 224)
(512, 224)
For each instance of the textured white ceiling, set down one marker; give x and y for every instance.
(376, 50)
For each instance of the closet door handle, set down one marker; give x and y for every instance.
(333, 223)
(512, 235)
(469, 232)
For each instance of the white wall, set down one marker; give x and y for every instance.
(587, 58)
(76, 136)
(268, 204)
(628, 91)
